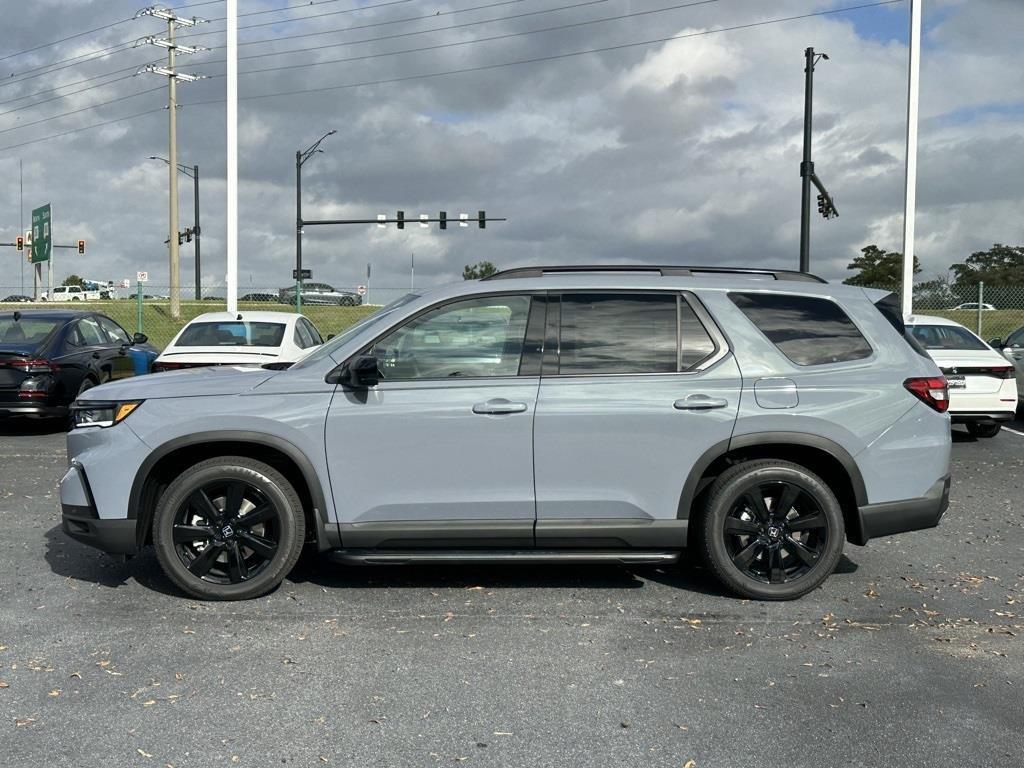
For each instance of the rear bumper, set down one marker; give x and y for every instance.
(28, 408)
(81, 522)
(890, 518)
(981, 417)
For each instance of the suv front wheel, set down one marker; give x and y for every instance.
(772, 530)
(229, 528)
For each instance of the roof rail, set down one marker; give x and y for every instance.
(664, 271)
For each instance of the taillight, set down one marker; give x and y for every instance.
(33, 366)
(931, 390)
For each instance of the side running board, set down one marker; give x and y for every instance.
(401, 557)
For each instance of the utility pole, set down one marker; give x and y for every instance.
(910, 188)
(826, 206)
(192, 171)
(21, 216)
(231, 142)
(300, 160)
(173, 23)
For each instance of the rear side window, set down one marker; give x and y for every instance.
(618, 333)
(891, 309)
(806, 329)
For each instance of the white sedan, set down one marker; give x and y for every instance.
(982, 386)
(243, 338)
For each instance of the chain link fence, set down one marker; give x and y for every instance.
(148, 310)
(990, 311)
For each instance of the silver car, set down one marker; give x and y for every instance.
(757, 419)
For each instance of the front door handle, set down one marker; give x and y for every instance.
(498, 406)
(699, 403)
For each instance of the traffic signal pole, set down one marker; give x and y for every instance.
(806, 166)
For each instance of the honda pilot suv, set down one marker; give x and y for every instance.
(757, 419)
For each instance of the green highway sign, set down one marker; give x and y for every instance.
(42, 240)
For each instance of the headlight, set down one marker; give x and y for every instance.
(101, 413)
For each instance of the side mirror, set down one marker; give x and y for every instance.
(361, 373)
(330, 336)
(996, 343)
(140, 338)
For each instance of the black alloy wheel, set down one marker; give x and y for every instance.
(226, 532)
(228, 528)
(775, 532)
(770, 529)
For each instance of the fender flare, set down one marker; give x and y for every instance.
(326, 532)
(755, 439)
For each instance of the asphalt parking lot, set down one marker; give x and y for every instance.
(910, 655)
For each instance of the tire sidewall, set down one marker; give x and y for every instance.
(723, 501)
(277, 490)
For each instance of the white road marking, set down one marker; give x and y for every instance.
(1014, 431)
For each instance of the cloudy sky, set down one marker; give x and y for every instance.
(678, 151)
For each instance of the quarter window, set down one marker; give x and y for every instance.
(474, 338)
(604, 333)
(806, 329)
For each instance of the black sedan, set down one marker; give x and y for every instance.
(16, 298)
(48, 357)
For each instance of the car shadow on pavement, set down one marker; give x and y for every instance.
(71, 560)
(17, 427)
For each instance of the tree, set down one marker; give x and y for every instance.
(479, 271)
(877, 267)
(999, 265)
(73, 280)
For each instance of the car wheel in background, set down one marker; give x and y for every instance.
(229, 528)
(984, 430)
(771, 530)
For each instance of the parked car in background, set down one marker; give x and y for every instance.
(758, 419)
(320, 293)
(71, 293)
(17, 299)
(982, 386)
(260, 297)
(972, 306)
(1012, 348)
(48, 357)
(242, 338)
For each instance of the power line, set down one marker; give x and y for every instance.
(84, 128)
(63, 39)
(484, 67)
(82, 109)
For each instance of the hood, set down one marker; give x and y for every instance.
(192, 382)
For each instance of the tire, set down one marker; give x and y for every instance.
(762, 556)
(220, 557)
(984, 430)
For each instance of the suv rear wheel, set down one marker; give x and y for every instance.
(772, 530)
(228, 528)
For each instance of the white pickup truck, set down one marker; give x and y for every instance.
(71, 293)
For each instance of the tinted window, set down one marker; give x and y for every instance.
(473, 338)
(807, 330)
(892, 310)
(696, 344)
(1016, 339)
(314, 335)
(618, 333)
(232, 333)
(946, 337)
(300, 336)
(26, 330)
(89, 334)
(116, 333)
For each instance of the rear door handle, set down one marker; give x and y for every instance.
(699, 403)
(498, 406)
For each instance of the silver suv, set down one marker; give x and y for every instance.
(760, 419)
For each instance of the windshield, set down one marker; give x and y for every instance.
(231, 333)
(946, 337)
(26, 331)
(326, 349)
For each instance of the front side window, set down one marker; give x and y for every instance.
(87, 333)
(473, 338)
(806, 329)
(1016, 339)
(116, 333)
(607, 333)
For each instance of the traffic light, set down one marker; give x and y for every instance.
(401, 219)
(81, 246)
(442, 220)
(188, 235)
(20, 243)
(481, 217)
(181, 238)
(821, 206)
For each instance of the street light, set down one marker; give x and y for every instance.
(300, 159)
(193, 173)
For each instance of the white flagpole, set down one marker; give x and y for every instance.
(910, 199)
(232, 151)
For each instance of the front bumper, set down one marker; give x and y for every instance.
(981, 417)
(890, 518)
(81, 522)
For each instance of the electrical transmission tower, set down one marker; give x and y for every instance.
(174, 22)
